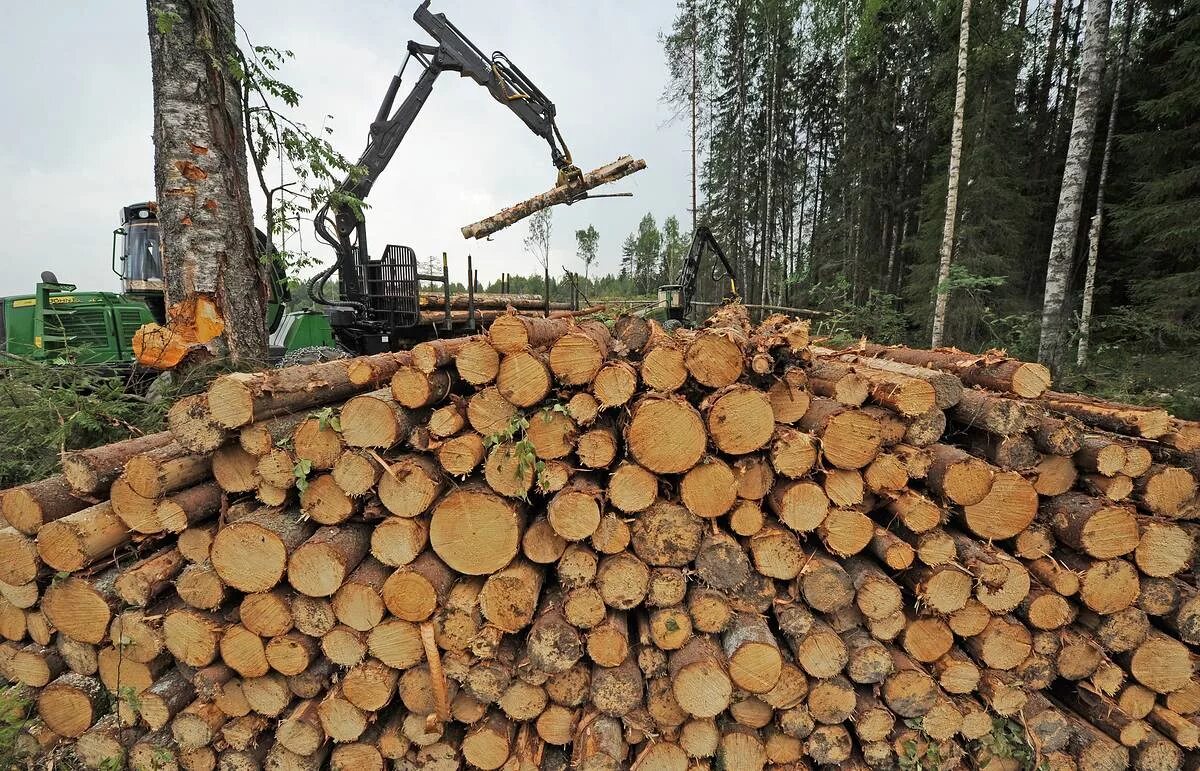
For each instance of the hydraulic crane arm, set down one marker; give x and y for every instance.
(703, 239)
(454, 52)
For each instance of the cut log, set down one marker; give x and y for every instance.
(19, 558)
(957, 476)
(665, 435)
(146, 579)
(623, 581)
(739, 418)
(1165, 490)
(1054, 475)
(993, 371)
(563, 193)
(193, 426)
(552, 433)
(90, 472)
(320, 565)
(577, 356)
(715, 357)
(81, 608)
(993, 414)
(1161, 663)
(28, 507)
(1094, 526)
(699, 678)
(251, 554)
(244, 397)
(850, 439)
(474, 531)
(1128, 419)
(663, 368)
(615, 384)
(375, 419)
(317, 442)
(71, 704)
(323, 501)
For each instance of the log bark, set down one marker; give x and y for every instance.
(245, 398)
(992, 371)
(28, 507)
(563, 193)
(1127, 419)
(90, 472)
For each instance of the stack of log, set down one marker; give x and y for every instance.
(488, 306)
(569, 544)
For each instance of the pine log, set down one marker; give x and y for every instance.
(850, 439)
(715, 357)
(375, 419)
(462, 454)
(106, 742)
(574, 512)
(1054, 475)
(1165, 490)
(739, 418)
(615, 384)
(81, 608)
(71, 704)
(19, 558)
(243, 398)
(1161, 663)
(1128, 419)
(28, 507)
(251, 554)
(320, 565)
(665, 435)
(993, 370)
(598, 447)
(474, 531)
(1100, 454)
(144, 580)
(317, 442)
(1092, 525)
(663, 368)
(699, 678)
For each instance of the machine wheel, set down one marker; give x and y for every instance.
(312, 355)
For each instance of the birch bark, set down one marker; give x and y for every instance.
(956, 135)
(1070, 196)
(209, 256)
(1089, 284)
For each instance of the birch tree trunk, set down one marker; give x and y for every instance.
(1070, 196)
(214, 280)
(956, 135)
(1089, 284)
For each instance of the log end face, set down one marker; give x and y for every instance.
(741, 421)
(230, 402)
(666, 436)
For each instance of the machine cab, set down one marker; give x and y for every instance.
(137, 256)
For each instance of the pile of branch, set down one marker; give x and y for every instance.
(572, 545)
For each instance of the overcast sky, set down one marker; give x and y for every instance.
(76, 145)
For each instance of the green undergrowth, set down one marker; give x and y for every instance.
(46, 409)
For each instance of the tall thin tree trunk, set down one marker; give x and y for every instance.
(1089, 285)
(1070, 196)
(956, 134)
(210, 264)
(1043, 103)
(695, 99)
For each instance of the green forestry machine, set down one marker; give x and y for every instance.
(377, 306)
(58, 323)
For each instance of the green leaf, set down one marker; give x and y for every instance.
(165, 21)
